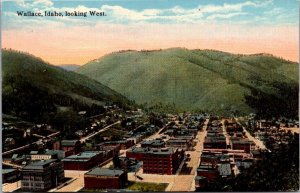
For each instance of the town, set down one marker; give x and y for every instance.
(137, 150)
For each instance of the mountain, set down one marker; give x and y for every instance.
(183, 79)
(37, 91)
(69, 67)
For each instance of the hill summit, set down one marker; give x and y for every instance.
(192, 80)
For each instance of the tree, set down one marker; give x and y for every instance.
(116, 161)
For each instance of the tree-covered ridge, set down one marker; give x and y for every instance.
(206, 80)
(39, 92)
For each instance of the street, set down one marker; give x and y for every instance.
(96, 133)
(177, 182)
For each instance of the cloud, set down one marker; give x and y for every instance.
(225, 8)
(225, 16)
(172, 15)
(43, 3)
(34, 3)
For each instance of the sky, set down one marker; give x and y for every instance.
(236, 26)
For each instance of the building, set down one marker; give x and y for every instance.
(103, 178)
(156, 143)
(185, 144)
(256, 154)
(10, 142)
(200, 181)
(157, 160)
(137, 153)
(124, 144)
(71, 147)
(241, 145)
(162, 161)
(87, 160)
(83, 161)
(225, 169)
(10, 175)
(215, 143)
(208, 171)
(42, 175)
(48, 154)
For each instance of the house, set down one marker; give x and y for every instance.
(71, 147)
(10, 141)
(42, 175)
(104, 178)
(124, 144)
(10, 175)
(255, 153)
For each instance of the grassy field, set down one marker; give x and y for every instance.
(136, 187)
(147, 187)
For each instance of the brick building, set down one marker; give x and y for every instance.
(103, 178)
(137, 153)
(84, 161)
(162, 161)
(158, 160)
(42, 175)
(208, 171)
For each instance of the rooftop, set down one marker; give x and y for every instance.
(105, 172)
(38, 165)
(6, 171)
(84, 156)
(69, 142)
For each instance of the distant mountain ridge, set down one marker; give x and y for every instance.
(70, 67)
(193, 79)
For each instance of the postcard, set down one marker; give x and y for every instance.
(150, 95)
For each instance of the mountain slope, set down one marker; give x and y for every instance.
(69, 67)
(32, 88)
(191, 79)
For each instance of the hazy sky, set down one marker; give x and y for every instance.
(236, 26)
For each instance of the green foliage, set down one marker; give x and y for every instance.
(37, 92)
(283, 103)
(194, 80)
(147, 187)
